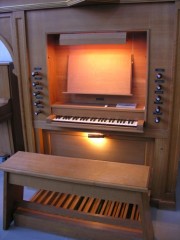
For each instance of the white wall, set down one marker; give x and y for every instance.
(4, 53)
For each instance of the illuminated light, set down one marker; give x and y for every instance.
(97, 139)
(96, 135)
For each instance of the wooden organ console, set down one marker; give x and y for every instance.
(106, 68)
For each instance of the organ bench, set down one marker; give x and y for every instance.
(80, 198)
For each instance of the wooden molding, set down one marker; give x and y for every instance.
(19, 5)
(175, 127)
(34, 5)
(22, 71)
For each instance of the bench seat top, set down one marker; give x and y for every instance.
(83, 171)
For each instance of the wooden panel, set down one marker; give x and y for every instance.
(95, 19)
(101, 72)
(16, 111)
(133, 77)
(13, 194)
(9, 94)
(6, 31)
(43, 4)
(75, 228)
(160, 168)
(92, 38)
(4, 82)
(74, 171)
(77, 144)
(21, 69)
(175, 126)
(6, 141)
(101, 111)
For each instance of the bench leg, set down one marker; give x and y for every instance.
(12, 194)
(147, 227)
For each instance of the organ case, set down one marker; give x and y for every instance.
(150, 34)
(151, 68)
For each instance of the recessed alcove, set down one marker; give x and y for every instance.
(98, 74)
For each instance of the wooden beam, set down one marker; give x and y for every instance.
(20, 5)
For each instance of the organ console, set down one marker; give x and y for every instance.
(113, 70)
(108, 99)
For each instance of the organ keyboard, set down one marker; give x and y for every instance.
(94, 120)
(96, 123)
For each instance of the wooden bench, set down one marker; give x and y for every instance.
(77, 180)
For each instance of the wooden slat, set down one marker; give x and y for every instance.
(125, 210)
(49, 197)
(133, 212)
(115, 209)
(118, 210)
(111, 209)
(107, 208)
(55, 199)
(83, 203)
(36, 196)
(79, 203)
(87, 205)
(76, 199)
(42, 196)
(68, 201)
(100, 206)
(95, 206)
(103, 207)
(137, 217)
(61, 199)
